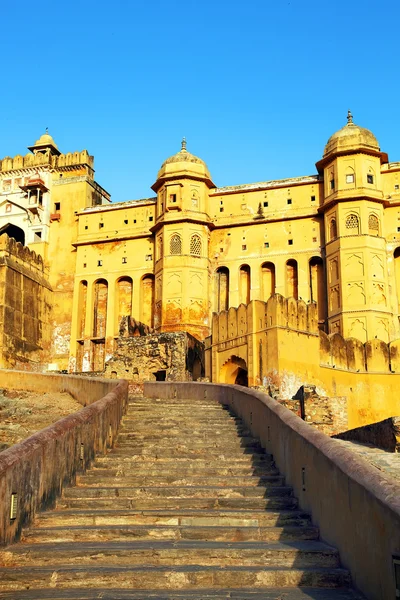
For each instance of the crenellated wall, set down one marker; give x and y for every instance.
(277, 343)
(32, 160)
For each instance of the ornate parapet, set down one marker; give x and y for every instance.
(46, 158)
(350, 354)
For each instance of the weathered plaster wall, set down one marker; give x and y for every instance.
(25, 307)
(179, 355)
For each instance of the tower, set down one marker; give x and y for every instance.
(353, 209)
(181, 240)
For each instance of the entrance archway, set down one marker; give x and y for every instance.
(14, 232)
(234, 371)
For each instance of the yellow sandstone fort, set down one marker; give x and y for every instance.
(288, 282)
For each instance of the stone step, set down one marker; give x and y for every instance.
(118, 467)
(179, 503)
(274, 593)
(186, 505)
(120, 533)
(168, 420)
(303, 554)
(177, 492)
(142, 401)
(169, 577)
(199, 409)
(96, 478)
(176, 432)
(187, 442)
(206, 454)
(175, 517)
(187, 446)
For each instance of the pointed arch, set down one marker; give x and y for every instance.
(14, 232)
(175, 244)
(147, 299)
(292, 283)
(221, 289)
(267, 280)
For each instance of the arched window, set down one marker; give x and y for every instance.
(353, 224)
(195, 200)
(147, 300)
(332, 229)
(14, 232)
(373, 225)
(195, 245)
(267, 280)
(123, 304)
(317, 285)
(350, 179)
(100, 298)
(159, 247)
(83, 286)
(222, 289)
(175, 245)
(371, 176)
(244, 284)
(292, 284)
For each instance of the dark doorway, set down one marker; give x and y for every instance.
(14, 232)
(160, 375)
(241, 378)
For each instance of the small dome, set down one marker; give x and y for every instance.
(45, 140)
(351, 137)
(184, 162)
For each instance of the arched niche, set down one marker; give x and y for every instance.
(268, 282)
(292, 283)
(221, 289)
(147, 300)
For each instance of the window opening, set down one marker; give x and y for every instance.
(373, 225)
(352, 222)
(195, 245)
(175, 245)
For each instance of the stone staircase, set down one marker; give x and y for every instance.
(186, 506)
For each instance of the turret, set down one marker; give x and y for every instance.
(355, 243)
(182, 230)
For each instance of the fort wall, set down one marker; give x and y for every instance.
(25, 304)
(279, 344)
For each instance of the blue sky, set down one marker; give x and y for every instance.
(256, 87)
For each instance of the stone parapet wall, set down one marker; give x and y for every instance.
(355, 506)
(35, 470)
(384, 435)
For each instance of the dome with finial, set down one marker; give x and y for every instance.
(45, 141)
(185, 164)
(351, 137)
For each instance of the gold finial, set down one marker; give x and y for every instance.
(183, 143)
(349, 118)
